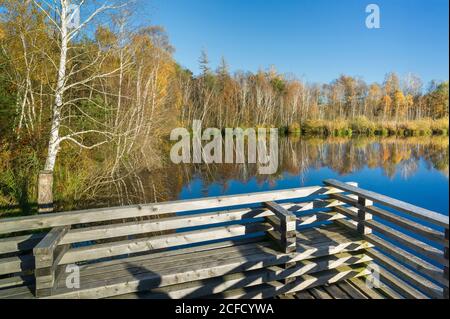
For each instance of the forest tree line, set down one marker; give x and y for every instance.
(268, 98)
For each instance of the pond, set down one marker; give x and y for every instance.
(411, 169)
(414, 169)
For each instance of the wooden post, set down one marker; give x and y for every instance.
(45, 192)
(285, 225)
(47, 254)
(364, 216)
(446, 266)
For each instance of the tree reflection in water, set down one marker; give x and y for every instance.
(298, 157)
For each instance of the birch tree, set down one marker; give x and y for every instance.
(62, 15)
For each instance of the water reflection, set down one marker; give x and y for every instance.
(299, 157)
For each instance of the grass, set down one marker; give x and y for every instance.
(326, 128)
(363, 126)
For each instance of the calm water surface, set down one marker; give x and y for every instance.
(414, 170)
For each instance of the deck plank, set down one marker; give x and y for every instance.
(336, 292)
(304, 295)
(153, 273)
(250, 278)
(320, 293)
(352, 291)
(361, 286)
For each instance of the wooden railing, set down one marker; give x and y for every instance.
(123, 231)
(410, 256)
(404, 246)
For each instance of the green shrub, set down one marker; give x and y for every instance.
(362, 125)
(294, 128)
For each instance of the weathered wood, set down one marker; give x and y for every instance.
(51, 240)
(19, 243)
(425, 214)
(179, 222)
(304, 282)
(163, 276)
(284, 233)
(253, 262)
(445, 292)
(21, 292)
(16, 264)
(407, 241)
(320, 293)
(111, 269)
(283, 244)
(315, 256)
(226, 264)
(363, 216)
(196, 289)
(319, 217)
(304, 295)
(407, 258)
(336, 292)
(45, 192)
(390, 293)
(405, 223)
(318, 244)
(158, 242)
(175, 256)
(351, 291)
(407, 290)
(10, 225)
(404, 273)
(416, 263)
(287, 296)
(16, 281)
(316, 236)
(280, 212)
(162, 224)
(315, 249)
(47, 254)
(360, 285)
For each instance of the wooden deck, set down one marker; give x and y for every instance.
(355, 288)
(326, 246)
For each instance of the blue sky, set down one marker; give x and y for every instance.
(316, 40)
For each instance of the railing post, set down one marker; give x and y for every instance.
(284, 234)
(285, 224)
(364, 216)
(446, 266)
(45, 192)
(47, 255)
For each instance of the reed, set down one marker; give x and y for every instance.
(363, 126)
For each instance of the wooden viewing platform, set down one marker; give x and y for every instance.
(331, 241)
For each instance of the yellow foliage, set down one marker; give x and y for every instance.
(399, 97)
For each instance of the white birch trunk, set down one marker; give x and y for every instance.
(53, 145)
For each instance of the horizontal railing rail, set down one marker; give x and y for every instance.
(422, 213)
(409, 255)
(406, 247)
(11, 225)
(98, 234)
